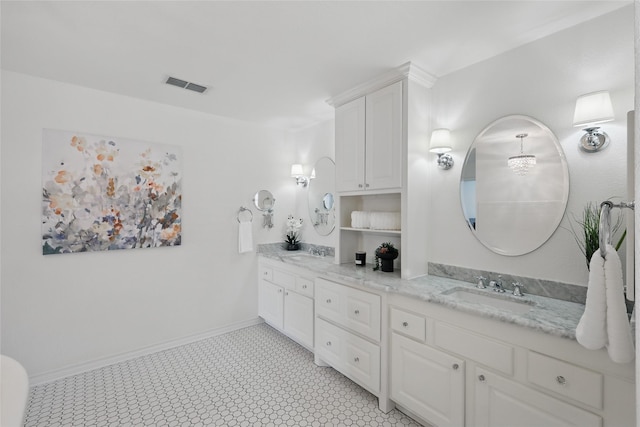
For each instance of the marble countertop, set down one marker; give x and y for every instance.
(543, 314)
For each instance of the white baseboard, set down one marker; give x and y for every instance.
(57, 374)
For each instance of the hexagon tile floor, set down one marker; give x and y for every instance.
(250, 377)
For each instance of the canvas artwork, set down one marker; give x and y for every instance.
(102, 193)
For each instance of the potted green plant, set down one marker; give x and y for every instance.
(385, 254)
(588, 235)
(292, 236)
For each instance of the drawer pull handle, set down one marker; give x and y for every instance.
(304, 286)
(561, 380)
(328, 343)
(455, 366)
(329, 301)
(357, 312)
(356, 359)
(481, 378)
(405, 324)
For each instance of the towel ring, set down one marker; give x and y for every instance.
(243, 209)
(604, 225)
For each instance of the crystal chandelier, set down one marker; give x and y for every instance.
(521, 163)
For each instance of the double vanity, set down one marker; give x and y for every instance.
(442, 350)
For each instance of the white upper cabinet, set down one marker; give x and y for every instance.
(369, 141)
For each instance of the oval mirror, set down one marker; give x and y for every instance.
(514, 185)
(320, 196)
(264, 200)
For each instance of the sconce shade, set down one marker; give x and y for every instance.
(296, 170)
(440, 141)
(593, 108)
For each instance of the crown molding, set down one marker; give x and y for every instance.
(406, 70)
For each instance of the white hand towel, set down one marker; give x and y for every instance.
(620, 346)
(591, 332)
(604, 321)
(245, 237)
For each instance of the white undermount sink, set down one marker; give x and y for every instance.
(497, 300)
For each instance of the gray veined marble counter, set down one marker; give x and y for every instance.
(547, 315)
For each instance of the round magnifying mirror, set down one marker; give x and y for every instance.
(320, 196)
(264, 200)
(514, 185)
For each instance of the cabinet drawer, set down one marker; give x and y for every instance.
(353, 356)
(494, 354)
(328, 342)
(266, 273)
(304, 286)
(409, 324)
(566, 379)
(284, 279)
(354, 309)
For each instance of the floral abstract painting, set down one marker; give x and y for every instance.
(102, 193)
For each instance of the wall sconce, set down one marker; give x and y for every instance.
(593, 108)
(440, 145)
(298, 174)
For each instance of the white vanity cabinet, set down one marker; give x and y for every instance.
(285, 300)
(348, 335)
(369, 141)
(450, 368)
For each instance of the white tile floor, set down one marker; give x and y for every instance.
(251, 377)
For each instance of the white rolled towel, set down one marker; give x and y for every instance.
(360, 219)
(385, 220)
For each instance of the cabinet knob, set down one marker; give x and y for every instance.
(359, 185)
(366, 185)
(357, 312)
(286, 293)
(329, 301)
(481, 378)
(304, 286)
(356, 359)
(280, 290)
(328, 343)
(405, 324)
(561, 380)
(455, 366)
(265, 273)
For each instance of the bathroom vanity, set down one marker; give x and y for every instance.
(446, 353)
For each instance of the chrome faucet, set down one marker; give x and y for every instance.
(481, 282)
(517, 289)
(497, 284)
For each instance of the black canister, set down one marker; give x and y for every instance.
(361, 259)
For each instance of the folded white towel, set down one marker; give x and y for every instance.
(604, 321)
(245, 237)
(591, 331)
(620, 346)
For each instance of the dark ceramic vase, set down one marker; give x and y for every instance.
(386, 262)
(293, 246)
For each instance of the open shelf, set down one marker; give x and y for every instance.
(370, 231)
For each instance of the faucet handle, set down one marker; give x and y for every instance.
(481, 282)
(517, 289)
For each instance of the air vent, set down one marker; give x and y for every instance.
(186, 85)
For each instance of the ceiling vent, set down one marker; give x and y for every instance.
(186, 85)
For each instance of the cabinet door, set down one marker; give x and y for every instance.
(349, 145)
(271, 303)
(383, 164)
(298, 317)
(428, 382)
(500, 402)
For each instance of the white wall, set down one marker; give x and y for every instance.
(542, 80)
(309, 145)
(64, 310)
